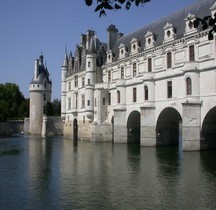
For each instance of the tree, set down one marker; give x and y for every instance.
(207, 22)
(53, 108)
(103, 5)
(12, 102)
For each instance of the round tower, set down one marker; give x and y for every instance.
(90, 78)
(40, 93)
(63, 86)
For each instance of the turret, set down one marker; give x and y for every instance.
(63, 85)
(90, 77)
(40, 93)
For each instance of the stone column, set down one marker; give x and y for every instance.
(148, 128)
(191, 126)
(120, 128)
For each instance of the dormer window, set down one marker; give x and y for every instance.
(189, 27)
(149, 39)
(134, 46)
(169, 32)
(109, 56)
(122, 51)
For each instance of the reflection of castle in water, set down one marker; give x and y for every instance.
(146, 86)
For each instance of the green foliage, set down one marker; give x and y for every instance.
(53, 108)
(207, 22)
(12, 102)
(103, 5)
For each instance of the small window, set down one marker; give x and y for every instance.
(134, 46)
(122, 51)
(149, 64)
(44, 97)
(69, 86)
(169, 89)
(191, 53)
(88, 103)
(134, 70)
(168, 33)
(122, 72)
(190, 24)
(89, 64)
(89, 82)
(76, 81)
(188, 86)
(146, 92)
(134, 95)
(169, 60)
(109, 76)
(109, 98)
(104, 101)
(149, 41)
(118, 96)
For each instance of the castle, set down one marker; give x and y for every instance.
(154, 86)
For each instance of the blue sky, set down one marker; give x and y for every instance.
(31, 26)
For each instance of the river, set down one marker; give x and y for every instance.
(53, 173)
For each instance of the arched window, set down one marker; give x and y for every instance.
(118, 96)
(146, 92)
(188, 86)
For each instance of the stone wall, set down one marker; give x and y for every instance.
(9, 128)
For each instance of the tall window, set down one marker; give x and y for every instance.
(146, 92)
(76, 100)
(191, 53)
(44, 97)
(118, 96)
(188, 86)
(76, 81)
(149, 64)
(122, 72)
(69, 85)
(89, 64)
(169, 60)
(169, 89)
(134, 95)
(109, 76)
(83, 101)
(69, 103)
(134, 70)
(83, 81)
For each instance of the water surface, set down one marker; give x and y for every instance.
(55, 174)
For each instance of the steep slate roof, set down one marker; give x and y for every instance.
(42, 73)
(200, 9)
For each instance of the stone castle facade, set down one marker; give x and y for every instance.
(154, 86)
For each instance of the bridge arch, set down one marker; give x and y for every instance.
(209, 128)
(133, 127)
(167, 127)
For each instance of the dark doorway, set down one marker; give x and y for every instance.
(168, 126)
(209, 129)
(133, 127)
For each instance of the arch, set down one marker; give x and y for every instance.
(167, 127)
(209, 128)
(133, 127)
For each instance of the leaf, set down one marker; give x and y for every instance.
(117, 6)
(137, 2)
(210, 36)
(211, 22)
(121, 1)
(88, 2)
(127, 7)
(214, 28)
(205, 26)
(102, 12)
(107, 6)
(196, 23)
(99, 6)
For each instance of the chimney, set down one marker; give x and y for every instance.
(36, 69)
(112, 36)
(89, 35)
(83, 40)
